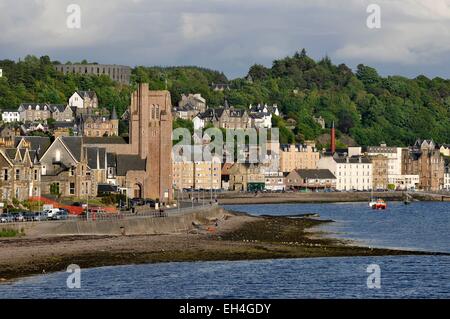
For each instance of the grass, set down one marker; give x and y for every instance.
(11, 233)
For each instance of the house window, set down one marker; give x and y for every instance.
(72, 189)
(5, 173)
(17, 174)
(35, 174)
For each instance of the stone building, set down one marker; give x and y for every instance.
(298, 156)
(424, 159)
(98, 125)
(246, 177)
(61, 112)
(189, 106)
(64, 169)
(193, 173)
(226, 117)
(20, 172)
(118, 73)
(149, 147)
(311, 179)
(380, 165)
(31, 112)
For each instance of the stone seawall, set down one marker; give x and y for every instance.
(140, 225)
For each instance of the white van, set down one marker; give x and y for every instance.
(52, 213)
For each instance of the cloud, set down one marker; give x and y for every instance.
(230, 35)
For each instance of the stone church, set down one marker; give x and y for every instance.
(150, 146)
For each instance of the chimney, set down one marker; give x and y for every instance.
(333, 139)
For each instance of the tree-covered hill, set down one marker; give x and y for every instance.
(366, 107)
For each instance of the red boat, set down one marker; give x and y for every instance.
(379, 204)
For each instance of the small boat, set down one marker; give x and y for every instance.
(379, 204)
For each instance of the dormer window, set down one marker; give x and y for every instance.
(37, 107)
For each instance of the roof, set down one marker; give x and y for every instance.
(57, 107)
(94, 153)
(104, 140)
(127, 163)
(33, 106)
(114, 114)
(111, 159)
(107, 188)
(64, 124)
(84, 94)
(353, 160)
(37, 143)
(73, 143)
(315, 173)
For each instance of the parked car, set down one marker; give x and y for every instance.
(6, 218)
(29, 216)
(18, 217)
(63, 214)
(150, 202)
(51, 213)
(137, 202)
(39, 216)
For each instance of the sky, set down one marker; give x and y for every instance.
(232, 35)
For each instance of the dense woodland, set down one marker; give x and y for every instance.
(366, 107)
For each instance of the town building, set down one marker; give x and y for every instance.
(274, 181)
(394, 157)
(32, 112)
(144, 164)
(246, 177)
(9, 116)
(65, 170)
(226, 117)
(352, 173)
(61, 112)
(310, 179)
(298, 156)
(84, 100)
(189, 106)
(261, 115)
(118, 73)
(220, 87)
(192, 171)
(445, 150)
(424, 159)
(380, 164)
(20, 172)
(98, 125)
(446, 185)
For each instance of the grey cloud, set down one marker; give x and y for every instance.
(230, 35)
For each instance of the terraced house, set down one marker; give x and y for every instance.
(20, 169)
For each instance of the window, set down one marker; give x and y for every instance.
(17, 174)
(72, 189)
(5, 174)
(35, 174)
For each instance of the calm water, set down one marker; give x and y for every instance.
(419, 226)
(424, 226)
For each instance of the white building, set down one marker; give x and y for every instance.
(9, 116)
(199, 123)
(352, 173)
(84, 99)
(1, 73)
(446, 185)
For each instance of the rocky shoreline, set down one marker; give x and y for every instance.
(235, 237)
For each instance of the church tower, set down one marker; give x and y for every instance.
(151, 138)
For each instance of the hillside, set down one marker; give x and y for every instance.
(365, 106)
